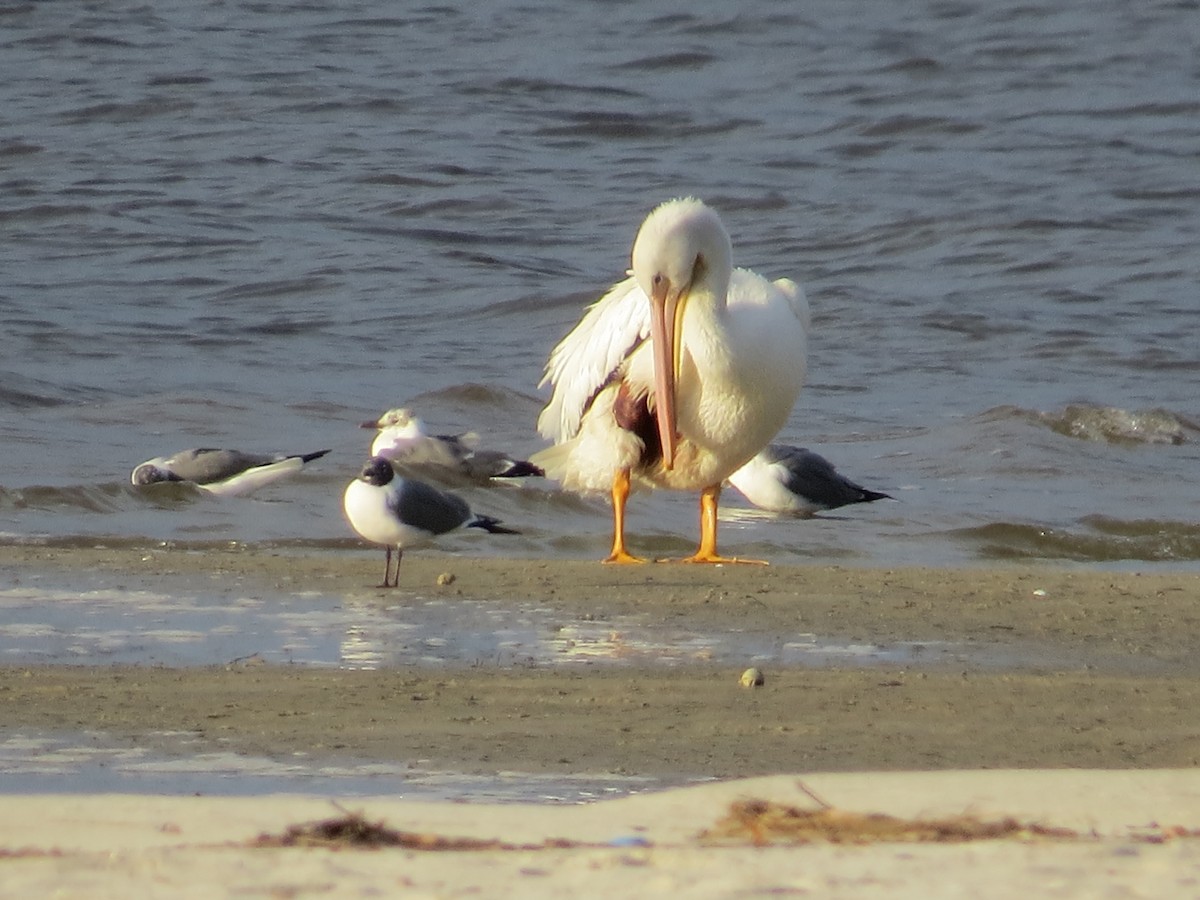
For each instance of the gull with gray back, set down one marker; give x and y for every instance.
(386, 509)
(782, 478)
(223, 472)
(402, 438)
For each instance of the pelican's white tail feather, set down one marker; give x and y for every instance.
(553, 460)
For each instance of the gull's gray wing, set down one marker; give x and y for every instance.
(423, 506)
(812, 476)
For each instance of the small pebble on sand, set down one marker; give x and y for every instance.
(752, 678)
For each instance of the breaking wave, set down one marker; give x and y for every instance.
(1092, 539)
(1108, 424)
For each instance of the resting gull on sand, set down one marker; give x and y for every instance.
(403, 512)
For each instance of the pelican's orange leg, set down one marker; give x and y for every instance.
(707, 551)
(620, 493)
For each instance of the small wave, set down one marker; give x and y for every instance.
(125, 113)
(180, 80)
(918, 65)
(1097, 539)
(267, 289)
(471, 395)
(907, 124)
(43, 212)
(684, 60)
(1107, 424)
(604, 125)
(96, 498)
(18, 147)
(143, 542)
(18, 392)
(28, 397)
(518, 85)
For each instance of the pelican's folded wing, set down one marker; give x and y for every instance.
(585, 359)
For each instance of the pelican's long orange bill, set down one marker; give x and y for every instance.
(664, 338)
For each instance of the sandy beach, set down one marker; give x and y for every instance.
(1099, 735)
(1113, 834)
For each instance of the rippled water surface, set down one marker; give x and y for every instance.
(256, 224)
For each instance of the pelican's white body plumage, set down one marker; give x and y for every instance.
(728, 408)
(739, 359)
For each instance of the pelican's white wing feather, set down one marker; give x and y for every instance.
(796, 297)
(586, 358)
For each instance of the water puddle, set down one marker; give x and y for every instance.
(88, 762)
(107, 626)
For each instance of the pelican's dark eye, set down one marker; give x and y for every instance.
(658, 279)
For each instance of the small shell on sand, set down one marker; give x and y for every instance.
(752, 678)
(445, 578)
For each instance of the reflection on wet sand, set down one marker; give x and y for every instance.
(113, 626)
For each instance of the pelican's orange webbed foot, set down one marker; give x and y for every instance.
(621, 558)
(707, 551)
(715, 559)
(620, 494)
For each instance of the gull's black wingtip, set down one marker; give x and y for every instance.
(491, 525)
(521, 468)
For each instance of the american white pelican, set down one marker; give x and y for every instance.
(796, 480)
(678, 375)
(223, 472)
(402, 438)
(402, 512)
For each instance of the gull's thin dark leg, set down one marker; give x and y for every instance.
(396, 579)
(387, 568)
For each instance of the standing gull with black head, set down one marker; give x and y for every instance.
(403, 512)
(677, 376)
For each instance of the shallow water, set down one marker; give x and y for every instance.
(38, 762)
(255, 225)
(179, 627)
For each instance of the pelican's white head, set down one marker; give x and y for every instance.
(682, 250)
(684, 243)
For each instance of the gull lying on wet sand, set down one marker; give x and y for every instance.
(402, 438)
(403, 512)
(223, 472)
(782, 478)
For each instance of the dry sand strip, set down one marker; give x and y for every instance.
(1126, 833)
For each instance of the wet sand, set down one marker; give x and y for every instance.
(1118, 687)
(1099, 736)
